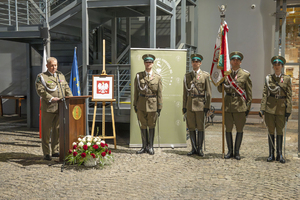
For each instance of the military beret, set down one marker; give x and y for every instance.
(196, 57)
(236, 55)
(148, 58)
(278, 59)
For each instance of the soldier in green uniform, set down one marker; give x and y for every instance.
(48, 88)
(147, 102)
(196, 102)
(238, 88)
(276, 105)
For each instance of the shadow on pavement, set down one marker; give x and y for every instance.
(18, 144)
(264, 159)
(24, 159)
(184, 153)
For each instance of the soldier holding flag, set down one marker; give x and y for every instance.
(276, 105)
(238, 88)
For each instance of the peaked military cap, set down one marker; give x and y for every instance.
(278, 59)
(236, 55)
(196, 57)
(148, 58)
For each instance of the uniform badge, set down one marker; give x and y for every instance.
(198, 77)
(235, 78)
(281, 80)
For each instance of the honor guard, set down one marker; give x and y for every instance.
(196, 102)
(276, 105)
(238, 88)
(49, 86)
(147, 102)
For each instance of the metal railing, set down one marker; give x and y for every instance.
(21, 12)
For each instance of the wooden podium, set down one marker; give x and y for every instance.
(72, 123)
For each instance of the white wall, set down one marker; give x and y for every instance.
(251, 31)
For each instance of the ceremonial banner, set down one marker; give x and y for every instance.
(74, 78)
(221, 63)
(171, 65)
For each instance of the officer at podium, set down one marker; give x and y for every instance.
(50, 85)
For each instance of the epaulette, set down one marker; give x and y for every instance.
(246, 71)
(206, 73)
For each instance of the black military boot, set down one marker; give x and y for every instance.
(193, 142)
(271, 148)
(151, 140)
(200, 142)
(144, 141)
(229, 145)
(237, 145)
(279, 156)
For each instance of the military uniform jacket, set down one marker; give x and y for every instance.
(147, 92)
(196, 91)
(47, 86)
(233, 101)
(277, 101)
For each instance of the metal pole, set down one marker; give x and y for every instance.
(9, 13)
(173, 27)
(85, 54)
(283, 29)
(27, 13)
(152, 24)
(183, 22)
(16, 10)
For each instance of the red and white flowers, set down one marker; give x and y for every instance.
(89, 148)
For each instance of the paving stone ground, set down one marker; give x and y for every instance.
(169, 174)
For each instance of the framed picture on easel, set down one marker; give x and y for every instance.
(103, 87)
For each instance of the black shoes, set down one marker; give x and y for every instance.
(200, 142)
(229, 145)
(193, 142)
(55, 155)
(271, 148)
(144, 142)
(237, 145)
(279, 156)
(151, 141)
(47, 157)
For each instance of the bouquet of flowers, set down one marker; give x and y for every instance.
(88, 149)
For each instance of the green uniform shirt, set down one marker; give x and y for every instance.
(47, 86)
(236, 103)
(275, 105)
(147, 92)
(201, 86)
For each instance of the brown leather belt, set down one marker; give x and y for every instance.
(149, 96)
(276, 96)
(233, 94)
(197, 95)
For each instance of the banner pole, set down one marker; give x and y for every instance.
(223, 124)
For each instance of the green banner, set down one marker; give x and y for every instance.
(170, 127)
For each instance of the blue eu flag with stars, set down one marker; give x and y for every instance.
(74, 78)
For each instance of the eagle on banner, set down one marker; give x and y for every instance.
(221, 63)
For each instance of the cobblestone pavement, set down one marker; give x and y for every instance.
(169, 174)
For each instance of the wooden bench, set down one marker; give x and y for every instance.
(219, 100)
(18, 104)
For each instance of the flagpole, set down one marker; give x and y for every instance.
(222, 10)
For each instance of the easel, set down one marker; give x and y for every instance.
(103, 108)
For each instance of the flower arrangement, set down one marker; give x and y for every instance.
(88, 149)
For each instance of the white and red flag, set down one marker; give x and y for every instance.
(44, 69)
(221, 63)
